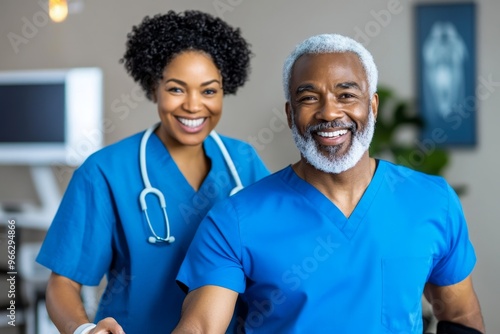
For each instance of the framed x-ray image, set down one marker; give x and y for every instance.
(446, 73)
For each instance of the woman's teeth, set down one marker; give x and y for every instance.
(192, 123)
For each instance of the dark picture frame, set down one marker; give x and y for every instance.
(446, 73)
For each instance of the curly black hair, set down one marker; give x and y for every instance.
(157, 40)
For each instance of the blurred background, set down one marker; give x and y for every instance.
(94, 34)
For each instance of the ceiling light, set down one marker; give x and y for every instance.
(58, 10)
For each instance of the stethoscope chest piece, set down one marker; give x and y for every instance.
(144, 207)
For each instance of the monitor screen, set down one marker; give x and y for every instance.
(45, 104)
(50, 116)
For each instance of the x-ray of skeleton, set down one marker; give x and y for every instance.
(444, 53)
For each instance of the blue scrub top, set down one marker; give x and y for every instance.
(303, 267)
(100, 229)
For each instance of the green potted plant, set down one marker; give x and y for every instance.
(396, 118)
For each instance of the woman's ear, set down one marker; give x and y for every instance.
(154, 98)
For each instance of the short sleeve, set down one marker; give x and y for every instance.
(459, 260)
(214, 256)
(78, 242)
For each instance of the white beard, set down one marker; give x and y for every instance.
(331, 162)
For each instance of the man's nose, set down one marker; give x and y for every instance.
(330, 109)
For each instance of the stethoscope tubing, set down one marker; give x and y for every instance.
(148, 189)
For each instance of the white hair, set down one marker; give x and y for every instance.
(331, 43)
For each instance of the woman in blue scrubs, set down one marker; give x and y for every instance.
(131, 210)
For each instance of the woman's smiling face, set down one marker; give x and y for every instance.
(189, 99)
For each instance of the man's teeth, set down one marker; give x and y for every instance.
(332, 133)
(192, 123)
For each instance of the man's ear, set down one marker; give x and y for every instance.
(288, 111)
(374, 103)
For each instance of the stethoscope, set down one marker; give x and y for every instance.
(148, 189)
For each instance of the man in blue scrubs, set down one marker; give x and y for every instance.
(338, 242)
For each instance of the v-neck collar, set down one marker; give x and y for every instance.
(347, 226)
(157, 151)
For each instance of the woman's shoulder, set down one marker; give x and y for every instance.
(235, 146)
(242, 154)
(230, 141)
(118, 153)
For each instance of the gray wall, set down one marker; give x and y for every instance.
(96, 37)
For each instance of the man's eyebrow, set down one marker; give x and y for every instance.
(347, 85)
(304, 88)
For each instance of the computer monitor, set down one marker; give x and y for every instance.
(50, 117)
